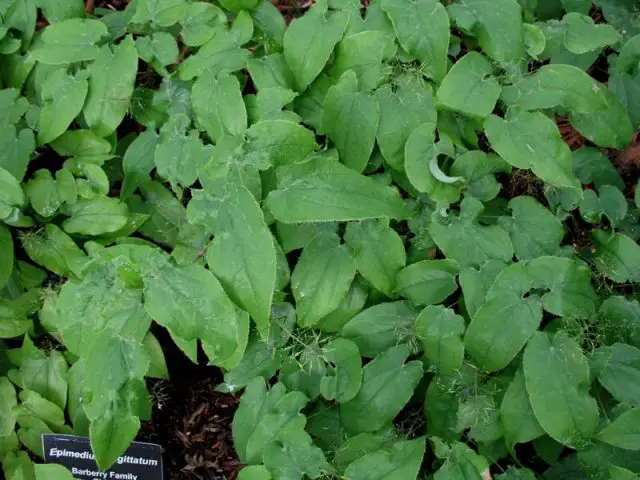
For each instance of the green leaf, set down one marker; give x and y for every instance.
(217, 101)
(304, 373)
(42, 192)
(582, 6)
(294, 456)
(160, 13)
(518, 420)
(278, 142)
(159, 50)
(201, 22)
(592, 166)
(470, 87)
(30, 433)
(627, 61)
(321, 279)
(52, 472)
(532, 140)
(361, 52)
(480, 413)
(555, 85)
(54, 250)
(497, 26)
(270, 71)
(462, 463)
(493, 342)
(441, 407)
(13, 322)
(100, 301)
(168, 224)
(96, 216)
(268, 103)
(421, 164)
(611, 202)
(557, 380)
(610, 127)
(116, 396)
(179, 154)
(533, 229)
(429, 46)
(138, 161)
(83, 145)
(254, 472)
(380, 327)
(16, 149)
(8, 402)
(463, 239)
(70, 41)
(358, 446)
(12, 106)
(534, 40)
(582, 35)
(44, 374)
(387, 385)
(33, 404)
(259, 360)
(113, 76)
(346, 379)
(428, 282)
(624, 431)
(190, 302)
(401, 112)
(310, 40)
(6, 255)
(441, 330)
(18, 466)
(618, 473)
(11, 194)
(157, 362)
(568, 285)
(242, 254)
(624, 317)
(262, 415)
(295, 236)
(617, 368)
(378, 252)
(616, 256)
(221, 53)
(237, 5)
(627, 89)
(63, 96)
(230, 162)
(401, 461)
(351, 305)
(268, 18)
(321, 191)
(513, 473)
(58, 10)
(351, 121)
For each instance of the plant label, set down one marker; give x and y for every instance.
(141, 461)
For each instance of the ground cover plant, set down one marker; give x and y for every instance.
(399, 238)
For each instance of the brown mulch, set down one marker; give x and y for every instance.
(192, 422)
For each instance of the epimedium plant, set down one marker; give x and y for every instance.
(319, 208)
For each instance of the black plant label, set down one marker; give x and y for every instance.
(141, 461)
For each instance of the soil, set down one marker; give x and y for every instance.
(192, 422)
